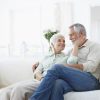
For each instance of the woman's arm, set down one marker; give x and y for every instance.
(38, 76)
(38, 72)
(35, 66)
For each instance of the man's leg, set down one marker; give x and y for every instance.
(20, 90)
(78, 80)
(59, 89)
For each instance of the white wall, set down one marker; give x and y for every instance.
(95, 23)
(87, 12)
(66, 12)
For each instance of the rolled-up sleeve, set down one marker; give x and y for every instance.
(90, 66)
(72, 60)
(93, 60)
(38, 69)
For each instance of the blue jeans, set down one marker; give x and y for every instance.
(60, 87)
(70, 79)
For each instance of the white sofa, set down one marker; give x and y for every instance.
(13, 70)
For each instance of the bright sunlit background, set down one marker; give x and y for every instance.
(22, 26)
(22, 23)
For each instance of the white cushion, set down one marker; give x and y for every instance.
(88, 95)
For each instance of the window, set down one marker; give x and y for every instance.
(25, 30)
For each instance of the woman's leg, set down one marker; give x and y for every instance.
(78, 80)
(5, 93)
(59, 89)
(23, 88)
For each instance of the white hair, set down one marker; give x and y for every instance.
(55, 37)
(79, 28)
(53, 40)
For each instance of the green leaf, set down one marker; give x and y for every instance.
(48, 34)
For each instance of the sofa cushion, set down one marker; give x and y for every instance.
(15, 69)
(88, 95)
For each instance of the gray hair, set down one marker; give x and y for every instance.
(79, 28)
(55, 37)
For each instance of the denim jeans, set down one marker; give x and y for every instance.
(61, 79)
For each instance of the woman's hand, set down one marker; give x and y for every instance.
(35, 66)
(38, 76)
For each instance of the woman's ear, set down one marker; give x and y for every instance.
(52, 47)
(52, 44)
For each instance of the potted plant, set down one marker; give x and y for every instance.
(48, 34)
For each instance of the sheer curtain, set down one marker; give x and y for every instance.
(21, 32)
(22, 28)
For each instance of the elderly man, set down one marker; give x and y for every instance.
(72, 77)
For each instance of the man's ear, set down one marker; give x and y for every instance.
(81, 35)
(51, 44)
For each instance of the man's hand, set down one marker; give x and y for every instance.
(79, 42)
(77, 66)
(35, 66)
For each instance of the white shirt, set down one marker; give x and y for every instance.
(50, 59)
(89, 56)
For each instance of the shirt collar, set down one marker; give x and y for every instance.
(50, 53)
(85, 44)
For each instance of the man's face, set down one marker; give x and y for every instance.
(73, 36)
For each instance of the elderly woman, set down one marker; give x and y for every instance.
(55, 56)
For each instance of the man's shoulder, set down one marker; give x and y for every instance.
(93, 43)
(94, 46)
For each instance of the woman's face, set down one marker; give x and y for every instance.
(59, 44)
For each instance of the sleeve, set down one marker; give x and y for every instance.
(72, 59)
(39, 69)
(93, 60)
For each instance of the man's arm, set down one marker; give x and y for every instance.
(73, 57)
(75, 53)
(77, 66)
